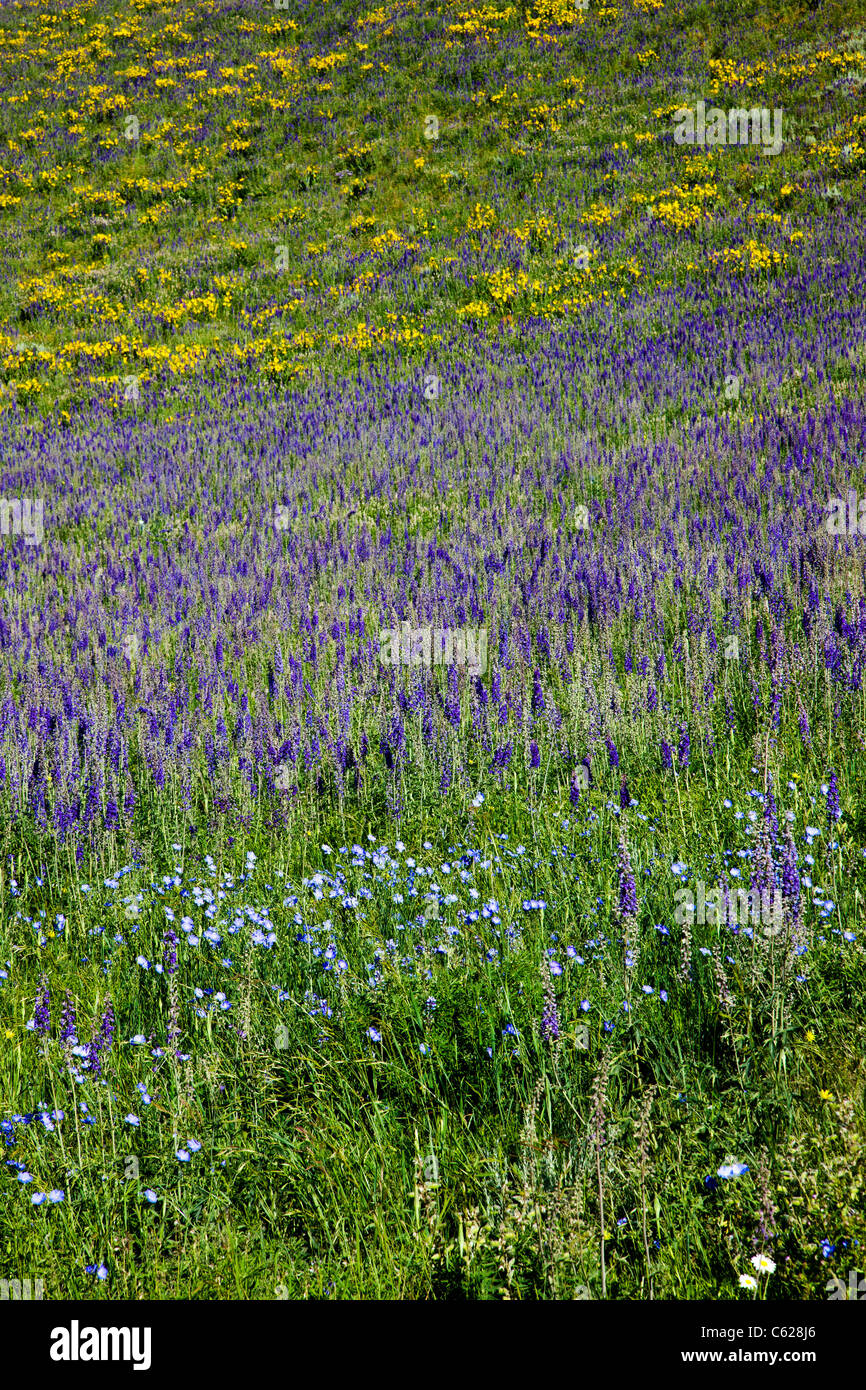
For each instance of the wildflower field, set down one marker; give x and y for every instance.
(432, 641)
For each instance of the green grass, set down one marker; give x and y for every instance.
(316, 1140)
(227, 169)
(332, 1164)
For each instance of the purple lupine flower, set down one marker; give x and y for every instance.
(574, 788)
(834, 810)
(534, 755)
(805, 731)
(102, 1039)
(452, 704)
(624, 795)
(667, 755)
(550, 1016)
(627, 890)
(730, 716)
(106, 1028)
(501, 757)
(43, 1008)
(684, 749)
(68, 1030)
(612, 755)
(169, 954)
(763, 867)
(771, 816)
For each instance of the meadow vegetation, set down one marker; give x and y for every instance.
(329, 976)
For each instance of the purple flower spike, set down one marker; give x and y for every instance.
(43, 1008)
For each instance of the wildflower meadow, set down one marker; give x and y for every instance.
(432, 642)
